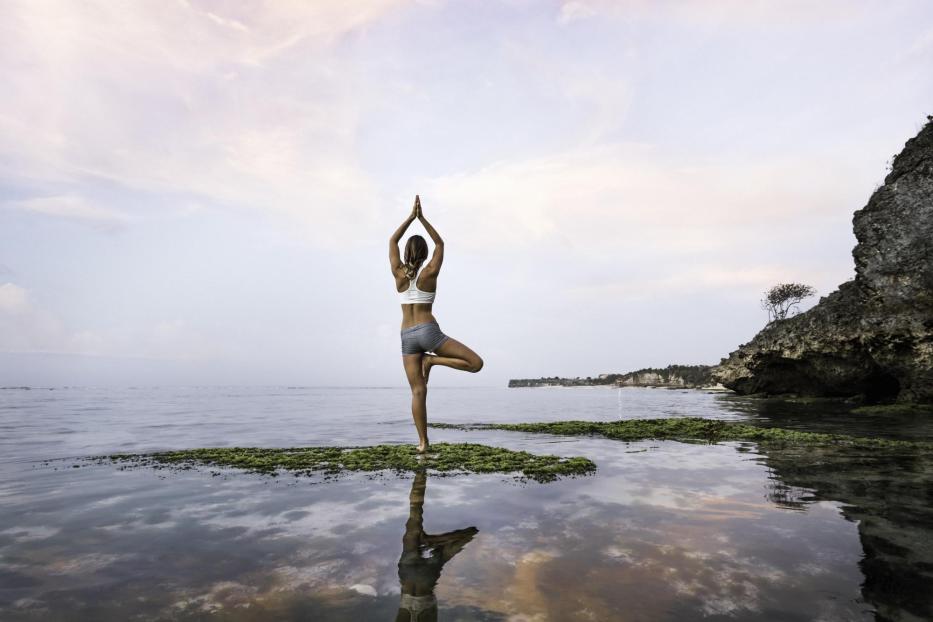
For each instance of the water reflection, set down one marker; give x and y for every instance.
(888, 494)
(829, 416)
(423, 558)
(663, 531)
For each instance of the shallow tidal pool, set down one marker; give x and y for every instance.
(662, 531)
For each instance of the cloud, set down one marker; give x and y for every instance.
(691, 279)
(13, 299)
(710, 12)
(28, 327)
(631, 196)
(574, 10)
(74, 208)
(24, 327)
(612, 224)
(922, 46)
(242, 107)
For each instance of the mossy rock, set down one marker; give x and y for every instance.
(687, 430)
(443, 458)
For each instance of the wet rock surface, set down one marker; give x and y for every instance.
(873, 336)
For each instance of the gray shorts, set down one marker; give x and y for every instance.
(422, 338)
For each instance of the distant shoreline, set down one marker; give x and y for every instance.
(672, 376)
(705, 387)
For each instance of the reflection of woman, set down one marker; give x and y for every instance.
(423, 557)
(420, 332)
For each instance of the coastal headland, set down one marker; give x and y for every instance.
(872, 338)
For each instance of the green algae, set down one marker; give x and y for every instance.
(443, 458)
(895, 409)
(811, 400)
(687, 430)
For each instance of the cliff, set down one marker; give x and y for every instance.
(687, 376)
(873, 336)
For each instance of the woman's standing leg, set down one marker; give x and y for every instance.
(454, 354)
(419, 396)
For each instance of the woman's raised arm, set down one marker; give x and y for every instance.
(395, 260)
(438, 258)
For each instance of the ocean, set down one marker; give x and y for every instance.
(663, 530)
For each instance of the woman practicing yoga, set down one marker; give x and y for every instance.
(420, 333)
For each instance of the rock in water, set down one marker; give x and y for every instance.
(874, 335)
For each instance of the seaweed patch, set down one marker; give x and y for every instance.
(687, 430)
(895, 409)
(449, 458)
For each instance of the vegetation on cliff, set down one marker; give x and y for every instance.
(784, 298)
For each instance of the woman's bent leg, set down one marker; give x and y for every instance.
(454, 354)
(419, 397)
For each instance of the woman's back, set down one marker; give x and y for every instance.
(417, 299)
(418, 295)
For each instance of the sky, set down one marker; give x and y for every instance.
(202, 192)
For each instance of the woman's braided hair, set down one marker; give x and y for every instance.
(416, 251)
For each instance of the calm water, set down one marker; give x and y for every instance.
(663, 531)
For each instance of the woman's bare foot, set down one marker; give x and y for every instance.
(427, 361)
(423, 447)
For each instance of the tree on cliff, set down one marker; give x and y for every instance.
(783, 297)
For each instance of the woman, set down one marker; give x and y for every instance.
(416, 284)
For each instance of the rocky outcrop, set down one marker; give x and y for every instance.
(873, 336)
(686, 376)
(651, 379)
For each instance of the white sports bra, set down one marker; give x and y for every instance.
(413, 295)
